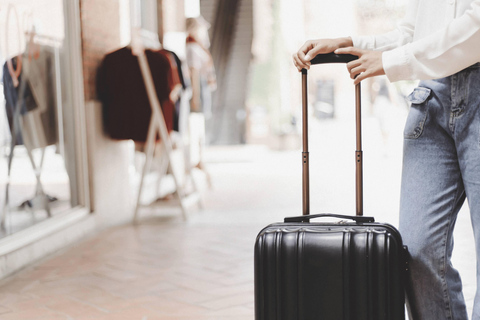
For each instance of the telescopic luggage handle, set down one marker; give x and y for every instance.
(322, 59)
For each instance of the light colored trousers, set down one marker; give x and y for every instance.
(441, 168)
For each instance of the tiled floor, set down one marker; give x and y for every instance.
(162, 268)
(202, 269)
(157, 270)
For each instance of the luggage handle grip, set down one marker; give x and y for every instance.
(333, 58)
(306, 218)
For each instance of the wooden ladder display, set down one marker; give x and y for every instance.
(158, 127)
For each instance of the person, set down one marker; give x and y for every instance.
(203, 83)
(200, 63)
(437, 43)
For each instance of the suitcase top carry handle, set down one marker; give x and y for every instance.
(321, 59)
(358, 219)
(333, 58)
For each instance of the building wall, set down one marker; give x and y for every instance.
(108, 159)
(100, 21)
(173, 15)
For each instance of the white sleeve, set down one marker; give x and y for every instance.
(402, 35)
(443, 53)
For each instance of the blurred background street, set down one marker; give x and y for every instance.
(111, 212)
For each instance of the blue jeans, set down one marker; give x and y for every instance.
(441, 168)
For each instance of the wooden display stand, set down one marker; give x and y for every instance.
(156, 128)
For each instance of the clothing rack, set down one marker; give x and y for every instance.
(158, 127)
(41, 199)
(46, 40)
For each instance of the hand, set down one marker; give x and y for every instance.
(311, 48)
(369, 63)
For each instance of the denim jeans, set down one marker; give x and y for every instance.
(441, 168)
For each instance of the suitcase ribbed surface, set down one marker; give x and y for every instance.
(332, 272)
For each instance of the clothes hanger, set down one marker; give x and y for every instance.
(30, 34)
(33, 47)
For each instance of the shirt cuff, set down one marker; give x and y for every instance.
(364, 42)
(396, 63)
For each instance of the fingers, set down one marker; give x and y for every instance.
(362, 76)
(299, 64)
(299, 59)
(358, 71)
(350, 50)
(355, 67)
(312, 53)
(361, 68)
(312, 48)
(355, 64)
(302, 52)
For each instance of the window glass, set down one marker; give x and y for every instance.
(37, 131)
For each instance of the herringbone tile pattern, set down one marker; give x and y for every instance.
(160, 270)
(164, 268)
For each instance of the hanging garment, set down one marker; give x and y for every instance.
(200, 59)
(40, 125)
(121, 89)
(177, 77)
(38, 110)
(173, 66)
(11, 93)
(11, 97)
(178, 63)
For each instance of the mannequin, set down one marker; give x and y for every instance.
(200, 63)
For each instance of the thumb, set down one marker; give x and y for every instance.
(349, 50)
(313, 52)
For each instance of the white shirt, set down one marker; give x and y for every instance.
(437, 38)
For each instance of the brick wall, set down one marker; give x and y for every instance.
(100, 21)
(173, 15)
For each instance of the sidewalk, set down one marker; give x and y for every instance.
(167, 269)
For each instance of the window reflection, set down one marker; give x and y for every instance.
(34, 181)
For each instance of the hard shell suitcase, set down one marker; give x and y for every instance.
(348, 270)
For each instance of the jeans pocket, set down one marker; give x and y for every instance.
(418, 113)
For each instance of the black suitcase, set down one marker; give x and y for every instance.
(353, 269)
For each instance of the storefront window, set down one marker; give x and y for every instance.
(38, 158)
